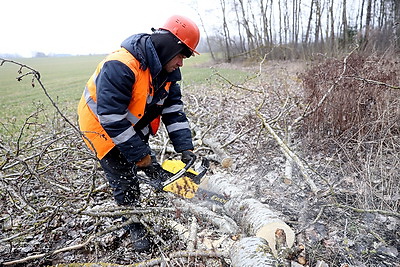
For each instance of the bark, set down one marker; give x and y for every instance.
(344, 23)
(309, 22)
(367, 23)
(397, 23)
(252, 215)
(250, 36)
(251, 252)
(226, 31)
(332, 28)
(224, 223)
(318, 22)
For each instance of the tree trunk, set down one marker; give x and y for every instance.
(367, 24)
(225, 28)
(309, 22)
(249, 213)
(207, 38)
(242, 43)
(317, 21)
(250, 37)
(344, 25)
(251, 252)
(397, 23)
(332, 29)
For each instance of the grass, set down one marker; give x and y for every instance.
(64, 79)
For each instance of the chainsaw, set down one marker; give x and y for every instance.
(184, 181)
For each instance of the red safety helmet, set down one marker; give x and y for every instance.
(185, 30)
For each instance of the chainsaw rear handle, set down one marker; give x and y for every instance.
(205, 165)
(180, 173)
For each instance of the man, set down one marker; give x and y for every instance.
(122, 104)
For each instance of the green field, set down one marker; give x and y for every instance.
(64, 79)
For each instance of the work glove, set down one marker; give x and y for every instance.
(188, 156)
(155, 172)
(144, 162)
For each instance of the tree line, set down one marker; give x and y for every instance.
(287, 29)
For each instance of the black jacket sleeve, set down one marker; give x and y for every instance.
(175, 120)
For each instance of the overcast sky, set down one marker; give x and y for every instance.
(83, 26)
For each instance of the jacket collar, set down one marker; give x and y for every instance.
(141, 47)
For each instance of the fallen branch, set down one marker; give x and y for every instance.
(224, 223)
(222, 157)
(288, 153)
(383, 212)
(374, 82)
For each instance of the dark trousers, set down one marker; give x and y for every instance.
(122, 177)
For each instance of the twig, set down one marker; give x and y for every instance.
(384, 212)
(191, 243)
(373, 82)
(235, 85)
(325, 96)
(36, 76)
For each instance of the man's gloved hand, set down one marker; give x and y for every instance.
(153, 170)
(144, 162)
(187, 156)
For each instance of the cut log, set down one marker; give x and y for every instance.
(251, 252)
(255, 217)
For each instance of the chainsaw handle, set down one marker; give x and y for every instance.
(180, 173)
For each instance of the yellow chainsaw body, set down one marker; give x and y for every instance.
(183, 186)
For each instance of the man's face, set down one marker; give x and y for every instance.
(174, 63)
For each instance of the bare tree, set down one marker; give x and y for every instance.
(306, 40)
(367, 23)
(396, 4)
(226, 31)
(332, 28)
(250, 36)
(263, 10)
(344, 25)
(207, 38)
(318, 22)
(242, 41)
(296, 21)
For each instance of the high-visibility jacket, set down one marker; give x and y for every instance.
(125, 96)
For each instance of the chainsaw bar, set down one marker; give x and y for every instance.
(204, 194)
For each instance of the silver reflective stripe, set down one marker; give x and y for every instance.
(86, 94)
(132, 118)
(177, 126)
(125, 136)
(174, 108)
(92, 105)
(161, 102)
(108, 118)
(149, 99)
(94, 77)
(145, 130)
(112, 118)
